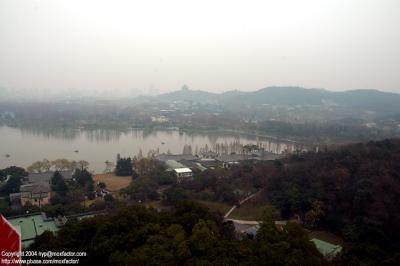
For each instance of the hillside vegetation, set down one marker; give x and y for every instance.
(190, 235)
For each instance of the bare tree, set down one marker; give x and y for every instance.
(35, 167)
(82, 164)
(73, 165)
(46, 165)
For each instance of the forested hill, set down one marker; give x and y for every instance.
(368, 100)
(353, 190)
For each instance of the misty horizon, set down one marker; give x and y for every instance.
(40, 93)
(155, 47)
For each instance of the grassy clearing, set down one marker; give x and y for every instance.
(88, 202)
(249, 211)
(114, 183)
(216, 206)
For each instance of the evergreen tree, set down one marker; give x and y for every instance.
(124, 167)
(58, 184)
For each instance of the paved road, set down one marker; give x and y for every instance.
(244, 221)
(230, 211)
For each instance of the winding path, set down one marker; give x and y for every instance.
(241, 202)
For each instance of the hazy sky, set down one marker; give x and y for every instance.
(214, 45)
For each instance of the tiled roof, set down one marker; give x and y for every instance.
(35, 188)
(46, 177)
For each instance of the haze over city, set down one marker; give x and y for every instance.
(182, 132)
(150, 47)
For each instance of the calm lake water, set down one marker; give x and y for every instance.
(96, 146)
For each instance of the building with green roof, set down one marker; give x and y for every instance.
(31, 226)
(327, 249)
(35, 224)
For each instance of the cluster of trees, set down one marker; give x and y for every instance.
(58, 165)
(189, 235)
(58, 184)
(11, 179)
(67, 195)
(353, 190)
(204, 186)
(223, 185)
(124, 167)
(10, 182)
(84, 178)
(148, 178)
(322, 131)
(70, 194)
(87, 114)
(142, 189)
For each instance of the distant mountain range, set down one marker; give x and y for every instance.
(368, 100)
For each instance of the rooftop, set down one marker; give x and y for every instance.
(252, 230)
(326, 248)
(257, 155)
(35, 188)
(174, 164)
(183, 170)
(46, 177)
(192, 165)
(201, 167)
(32, 226)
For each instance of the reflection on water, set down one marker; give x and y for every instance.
(100, 135)
(27, 145)
(58, 133)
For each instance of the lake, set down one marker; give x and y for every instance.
(25, 146)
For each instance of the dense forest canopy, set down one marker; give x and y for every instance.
(190, 235)
(355, 185)
(353, 190)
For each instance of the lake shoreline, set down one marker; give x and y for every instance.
(25, 146)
